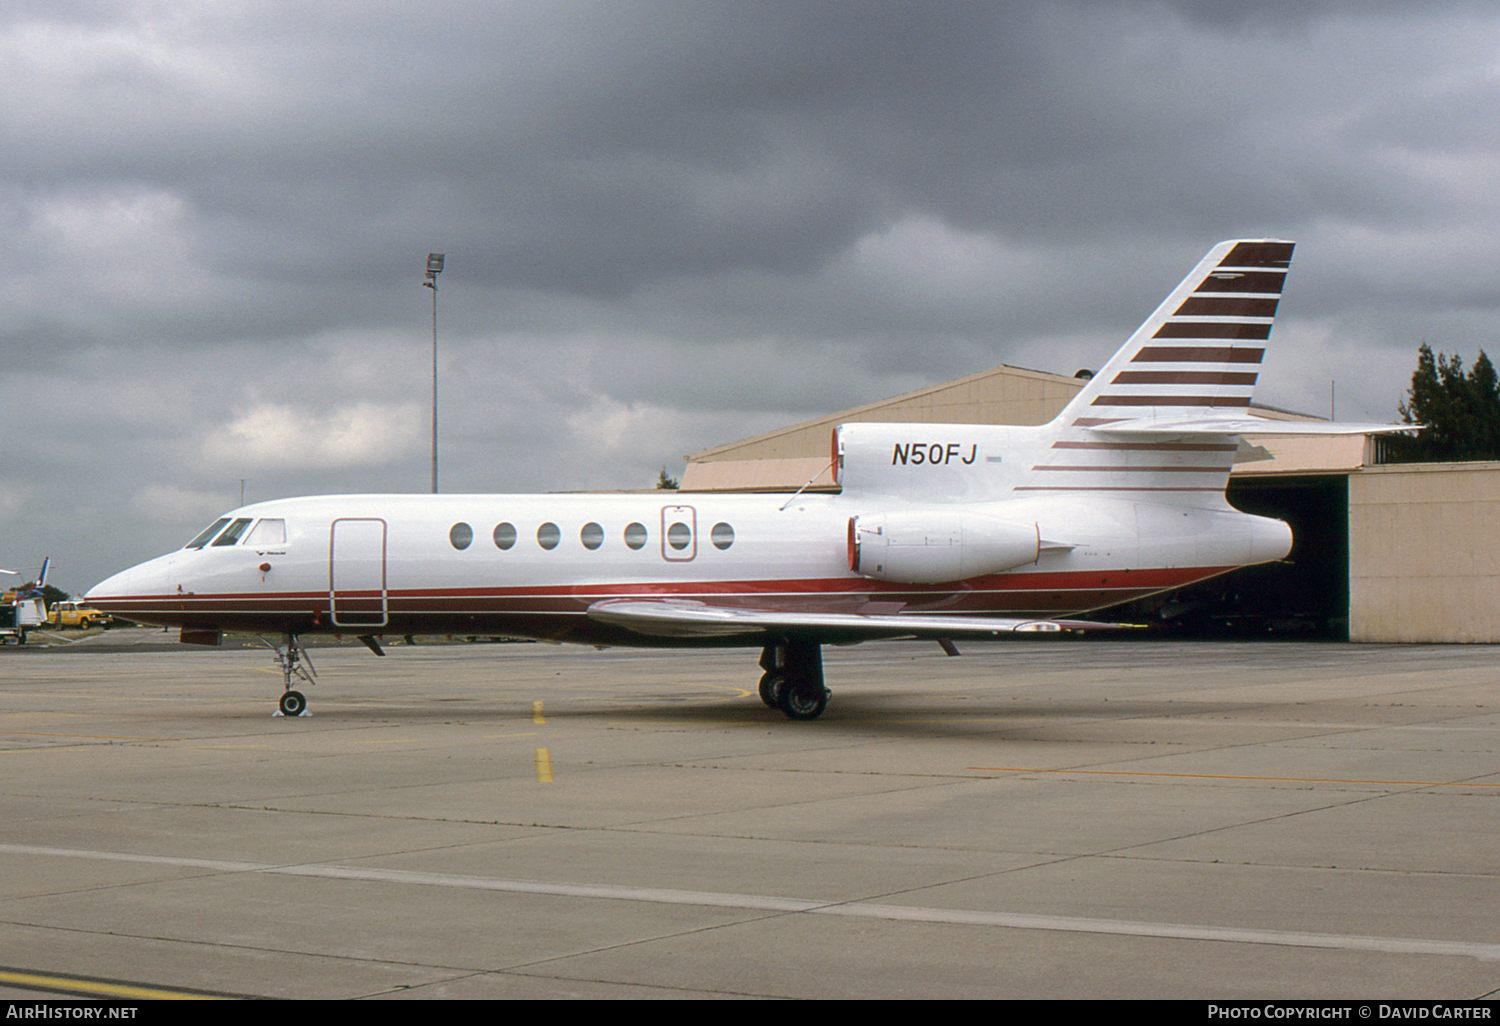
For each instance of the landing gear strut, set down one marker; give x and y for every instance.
(294, 661)
(793, 681)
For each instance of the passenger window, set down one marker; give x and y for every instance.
(267, 533)
(461, 535)
(722, 536)
(547, 536)
(635, 536)
(232, 532)
(679, 536)
(592, 536)
(505, 535)
(202, 539)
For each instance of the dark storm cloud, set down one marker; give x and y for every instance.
(671, 224)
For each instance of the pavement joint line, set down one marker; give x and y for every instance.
(1227, 776)
(850, 909)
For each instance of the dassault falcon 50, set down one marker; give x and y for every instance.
(937, 531)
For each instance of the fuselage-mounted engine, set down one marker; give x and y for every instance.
(935, 546)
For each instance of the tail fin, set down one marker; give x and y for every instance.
(33, 589)
(1201, 349)
(1163, 414)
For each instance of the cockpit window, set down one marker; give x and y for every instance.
(232, 532)
(202, 539)
(267, 532)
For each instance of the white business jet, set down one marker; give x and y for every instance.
(938, 531)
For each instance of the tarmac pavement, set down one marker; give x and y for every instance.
(1046, 818)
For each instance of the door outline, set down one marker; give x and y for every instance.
(350, 577)
(670, 516)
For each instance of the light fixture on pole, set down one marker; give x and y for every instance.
(434, 268)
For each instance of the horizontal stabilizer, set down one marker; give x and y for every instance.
(1230, 426)
(680, 618)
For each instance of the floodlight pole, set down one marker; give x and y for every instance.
(434, 268)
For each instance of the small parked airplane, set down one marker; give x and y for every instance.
(937, 531)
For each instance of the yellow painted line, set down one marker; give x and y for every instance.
(734, 692)
(543, 766)
(529, 733)
(118, 990)
(536, 713)
(1220, 776)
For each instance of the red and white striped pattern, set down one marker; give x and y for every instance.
(1198, 354)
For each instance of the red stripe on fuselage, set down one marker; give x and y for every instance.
(525, 610)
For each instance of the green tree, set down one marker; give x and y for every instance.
(1460, 411)
(665, 483)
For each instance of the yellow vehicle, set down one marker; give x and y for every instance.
(63, 615)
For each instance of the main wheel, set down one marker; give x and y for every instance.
(803, 701)
(293, 703)
(772, 684)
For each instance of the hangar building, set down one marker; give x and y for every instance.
(1383, 552)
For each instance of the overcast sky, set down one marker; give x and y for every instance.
(670, 225)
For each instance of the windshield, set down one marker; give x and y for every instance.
(202, 539)
(232, 534)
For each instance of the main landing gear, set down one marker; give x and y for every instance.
(294, 661)
(793, 681)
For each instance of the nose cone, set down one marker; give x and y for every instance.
(135, 593)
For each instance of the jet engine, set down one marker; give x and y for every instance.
(929, 546)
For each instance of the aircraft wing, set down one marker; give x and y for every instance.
(683, 618)
(1242, 426)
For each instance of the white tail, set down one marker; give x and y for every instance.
(1163, 415)
(1160, 420)
(1201, 349)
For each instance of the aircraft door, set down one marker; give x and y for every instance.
(679, 533)
(356, 572)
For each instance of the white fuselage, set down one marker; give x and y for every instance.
(415, 564)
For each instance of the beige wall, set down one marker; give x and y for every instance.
(1424, 553)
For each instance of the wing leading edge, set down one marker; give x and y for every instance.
(679, 618)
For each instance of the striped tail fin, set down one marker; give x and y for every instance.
(1162, 415)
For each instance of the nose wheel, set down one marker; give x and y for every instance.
(293, 703)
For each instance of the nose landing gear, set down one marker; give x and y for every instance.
(292, 658)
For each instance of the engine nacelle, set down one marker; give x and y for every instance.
(934, 546)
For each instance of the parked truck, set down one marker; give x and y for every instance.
(63, 615)
(17, 616)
